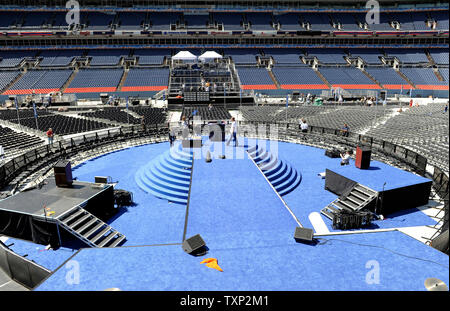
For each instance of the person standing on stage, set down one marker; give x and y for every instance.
(171, 135)
(233, 131)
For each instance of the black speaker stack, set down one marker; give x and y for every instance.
(63, 173)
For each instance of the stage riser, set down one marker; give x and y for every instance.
(283, 177)
(389, 201)
(168, 176)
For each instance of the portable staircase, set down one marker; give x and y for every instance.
(357, 198)
(90, 229)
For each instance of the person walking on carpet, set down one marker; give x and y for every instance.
(233, 131)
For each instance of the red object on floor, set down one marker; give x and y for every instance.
(362, 160)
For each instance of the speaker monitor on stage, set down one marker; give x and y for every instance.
(303, 234)
(363, 155)
(101, 180)
(194, 245)
(63, 174)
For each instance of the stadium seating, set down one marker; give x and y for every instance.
(345, 21)
(317, 22)
(106, 57)
(242, 56)
(9, 19)
(320, 21)
(62, 125)
(98, 20)
(369, 56)
(423, 129)
(289, 22)
(255, 78)
(12, 59)
(6, 77)
(284, 56)
(196, 21)
(347, 78)
(148, 79)
(444, 73)
(440, 56)
(113, 114)
(388, 77)
(11, 114)
(11, 140)
(95, 80)
(230, 21)
(206, 113)
(163, 20)
(441, 18)
(260, 21)
(151, 56)
(298, 78)
(328, 56)
(408, 56)
(151, 115)
(424, 78)
(277, 114)
(55, 58)
(131, 20)
(40, 81)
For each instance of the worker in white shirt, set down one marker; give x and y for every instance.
(345, 158)
(303, 126)
(233, 131)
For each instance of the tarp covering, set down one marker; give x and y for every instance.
(184, 56)
(209, 55)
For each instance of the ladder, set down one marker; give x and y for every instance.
(358, 198)
(90, 229)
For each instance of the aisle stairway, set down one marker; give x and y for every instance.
(90, 229)
(168, 176)
(283, 177)
(357, 198)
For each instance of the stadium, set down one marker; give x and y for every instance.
(224, 145)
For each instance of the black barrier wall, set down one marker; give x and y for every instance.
(21, 270)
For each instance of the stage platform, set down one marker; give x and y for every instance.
(377, 174)
(57, 199)
(247, 228)
(38, 215)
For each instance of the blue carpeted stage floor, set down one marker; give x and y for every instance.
(339, 264)
(247, 228)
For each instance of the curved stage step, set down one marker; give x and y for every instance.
(167, 176)
(283, 177)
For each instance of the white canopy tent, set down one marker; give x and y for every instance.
(185, 56)
(209, 55)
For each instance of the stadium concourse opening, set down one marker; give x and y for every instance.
(219, 147)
